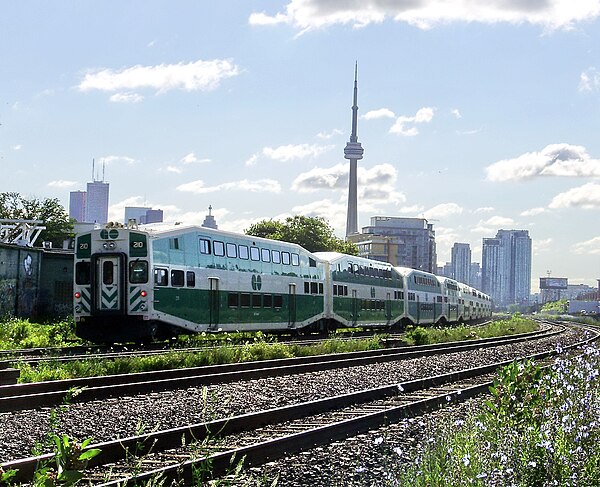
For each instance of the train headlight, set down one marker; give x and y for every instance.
(143, 306)
(143, 294)
(112, 245)
(77, 295)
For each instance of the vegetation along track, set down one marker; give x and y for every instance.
(280, 431)
(52, 393)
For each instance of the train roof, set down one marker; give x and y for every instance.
(333, 256)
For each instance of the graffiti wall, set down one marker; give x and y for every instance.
(19, 280)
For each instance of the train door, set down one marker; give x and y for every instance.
(292, 305)
(213, 302)
(354, 307)
(109, 280)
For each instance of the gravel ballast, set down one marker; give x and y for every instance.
(127, 416)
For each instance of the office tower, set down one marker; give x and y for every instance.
(406, 242)
(461, 262)
(152, 216)
(77, 200)
(135, 213)
(506, 267)
(96, 210)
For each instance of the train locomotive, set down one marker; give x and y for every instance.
(133, 284)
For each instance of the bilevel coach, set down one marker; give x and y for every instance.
(133, 284)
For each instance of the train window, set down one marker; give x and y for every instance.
(254, 253)
(161, 277)
(278, 300)
(345, 290)
(231, 250)
(243, 251)
(233, 299)
(218, 248)
(174, 243)
(285, 258)
(204, 246)
(350, 268)
(445, 299)
(276, 257)
(306, 288)
(355, 268)
(190, 279)
(295, 259)
(335, 290)
(267, 300)
(245, 300)
(439, 299)
(313, 288)
(138, 272)
(320, 288)
(108, 269)
(177, 278)
(265, 255)
(83, 273)
(256, 301)
(312, 262)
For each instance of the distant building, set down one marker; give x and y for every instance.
(210, 221)
(143, 215)
(461, 262)
(506, 267)
(475, 278)
(77, 203)
(96, 210)
(406, 242)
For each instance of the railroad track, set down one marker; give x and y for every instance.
(52, 393)
(270, 434)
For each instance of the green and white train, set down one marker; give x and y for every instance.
(132, 285)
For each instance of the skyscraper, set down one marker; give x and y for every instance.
(96, 210)
(77, 200)
(461, 262)
(506, 267)
(353, 152)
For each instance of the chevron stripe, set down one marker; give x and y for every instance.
(110, 297)
(135, 298)
(86, 300)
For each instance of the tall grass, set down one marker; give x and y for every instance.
(541, 427)
(513, 326)
(21, 333)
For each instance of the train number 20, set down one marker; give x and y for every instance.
(137, 245)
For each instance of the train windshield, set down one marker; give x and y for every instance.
(83, 273)
(138, 272)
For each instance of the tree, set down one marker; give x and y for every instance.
(53, 215)
(312, 233)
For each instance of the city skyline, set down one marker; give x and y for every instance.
(477, 119)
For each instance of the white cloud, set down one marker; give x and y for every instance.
(174, 169)
(192, 159)
(533, 212)
(114, 159)
(333, 212)
(588, 247)
(314, 14)
(258, 186)
(61, 183)
(194, 76)
(586, 196)
(411, 210)
(492, 224)
(423, 115)
(543, 245)
(484, 209)
(456, 113)
(589, 80)
(285, 153)
(443, 210)
(17, 147)
(554, 160)
(329, 135)
(252, 160)
(126, 98)
(380, 113)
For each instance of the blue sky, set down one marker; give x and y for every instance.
(478, 115)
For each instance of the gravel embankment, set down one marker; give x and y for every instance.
(122, 417)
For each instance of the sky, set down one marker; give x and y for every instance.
(478, 115)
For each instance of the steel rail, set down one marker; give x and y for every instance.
(168, 439)
(52, 393)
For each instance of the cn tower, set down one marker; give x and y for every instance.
(353, 152)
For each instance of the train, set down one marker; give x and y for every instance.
(147, 283)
